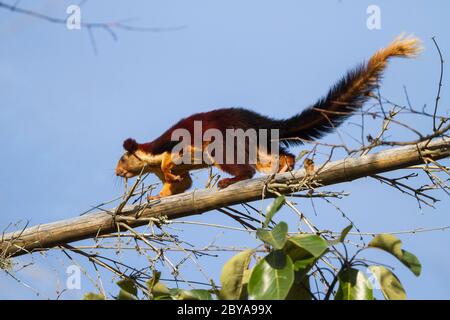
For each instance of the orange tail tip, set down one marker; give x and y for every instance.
(402, 46)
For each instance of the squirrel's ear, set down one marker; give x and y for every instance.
(130, 145)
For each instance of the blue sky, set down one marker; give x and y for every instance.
(65, 111)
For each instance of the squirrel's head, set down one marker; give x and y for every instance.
(132, 161)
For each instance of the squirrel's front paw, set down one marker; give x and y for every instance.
(173, 178)
(224, 183)
(152, 198)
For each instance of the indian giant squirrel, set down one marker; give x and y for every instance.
(344, 98)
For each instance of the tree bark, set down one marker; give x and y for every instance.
(46, 236)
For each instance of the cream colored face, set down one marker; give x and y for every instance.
(130, 165)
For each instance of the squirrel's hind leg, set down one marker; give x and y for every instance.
(238, 171)
(287, 162)
(268, 164)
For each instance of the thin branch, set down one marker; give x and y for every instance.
(438, 95)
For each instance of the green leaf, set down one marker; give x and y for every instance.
(124, 295)
(153, 280)
(391, 286)
(160, 291)
(393, 245)
(245, 280)
(300, 289)
(342, 236)
(167, 297)
(93, 296)
(412, 262)
(275, 237)
(312, 243)
(295, 252)
(196, 294)
(273, 208)
(304, 264)
(128, 286)
(170, 293)
(272, 277)
(232, 275)
(353, 285)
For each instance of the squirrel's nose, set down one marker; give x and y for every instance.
(120, 172)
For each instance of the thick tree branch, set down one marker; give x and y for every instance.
(49, 235)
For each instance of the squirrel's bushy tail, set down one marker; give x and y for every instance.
(346, 96)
